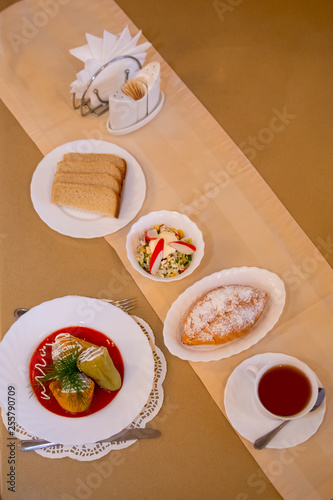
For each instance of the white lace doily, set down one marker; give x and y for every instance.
(94, 451)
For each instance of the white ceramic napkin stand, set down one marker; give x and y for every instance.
(128, 114)
(125, 113)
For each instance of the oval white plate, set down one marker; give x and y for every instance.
(78, 223)
(253, 276)
(25, 335)
(171, 219)
(250, 422)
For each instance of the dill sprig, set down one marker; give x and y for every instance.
(69, 376)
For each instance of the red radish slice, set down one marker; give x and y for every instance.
(151, 234)
(183, 247)
(156, 258)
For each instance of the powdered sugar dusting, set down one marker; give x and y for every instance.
(223, 314)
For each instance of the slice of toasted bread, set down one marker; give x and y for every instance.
(89, 178)
(97, 199)
(91, 167)
(99, 157)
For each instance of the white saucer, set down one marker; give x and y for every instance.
(247, 419)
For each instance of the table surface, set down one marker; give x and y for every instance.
(243, 60)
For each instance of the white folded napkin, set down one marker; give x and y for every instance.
(99, 51)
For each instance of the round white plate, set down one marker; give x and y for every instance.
(171, 219)
(253, 276)
(141, 123)
(79, 223)
(250, 422)
(25, 335)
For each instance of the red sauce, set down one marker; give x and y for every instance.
(42, 356)
(284, 390)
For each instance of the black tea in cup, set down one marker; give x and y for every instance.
(284, 390)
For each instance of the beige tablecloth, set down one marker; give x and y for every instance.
(192, 166)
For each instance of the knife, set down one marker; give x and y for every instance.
(124, 435)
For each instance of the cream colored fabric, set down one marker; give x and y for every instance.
(191, 166)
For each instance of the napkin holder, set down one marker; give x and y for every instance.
(85, 103)
(129, 112)
(125, 111)
(150, 75)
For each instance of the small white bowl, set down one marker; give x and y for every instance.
(171, 219)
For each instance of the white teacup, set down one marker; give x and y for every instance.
(284, 390)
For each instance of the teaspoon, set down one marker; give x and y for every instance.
(263, 441)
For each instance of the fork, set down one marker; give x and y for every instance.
(125, 304)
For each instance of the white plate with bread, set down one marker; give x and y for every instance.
(88, 188)
(224, 314)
